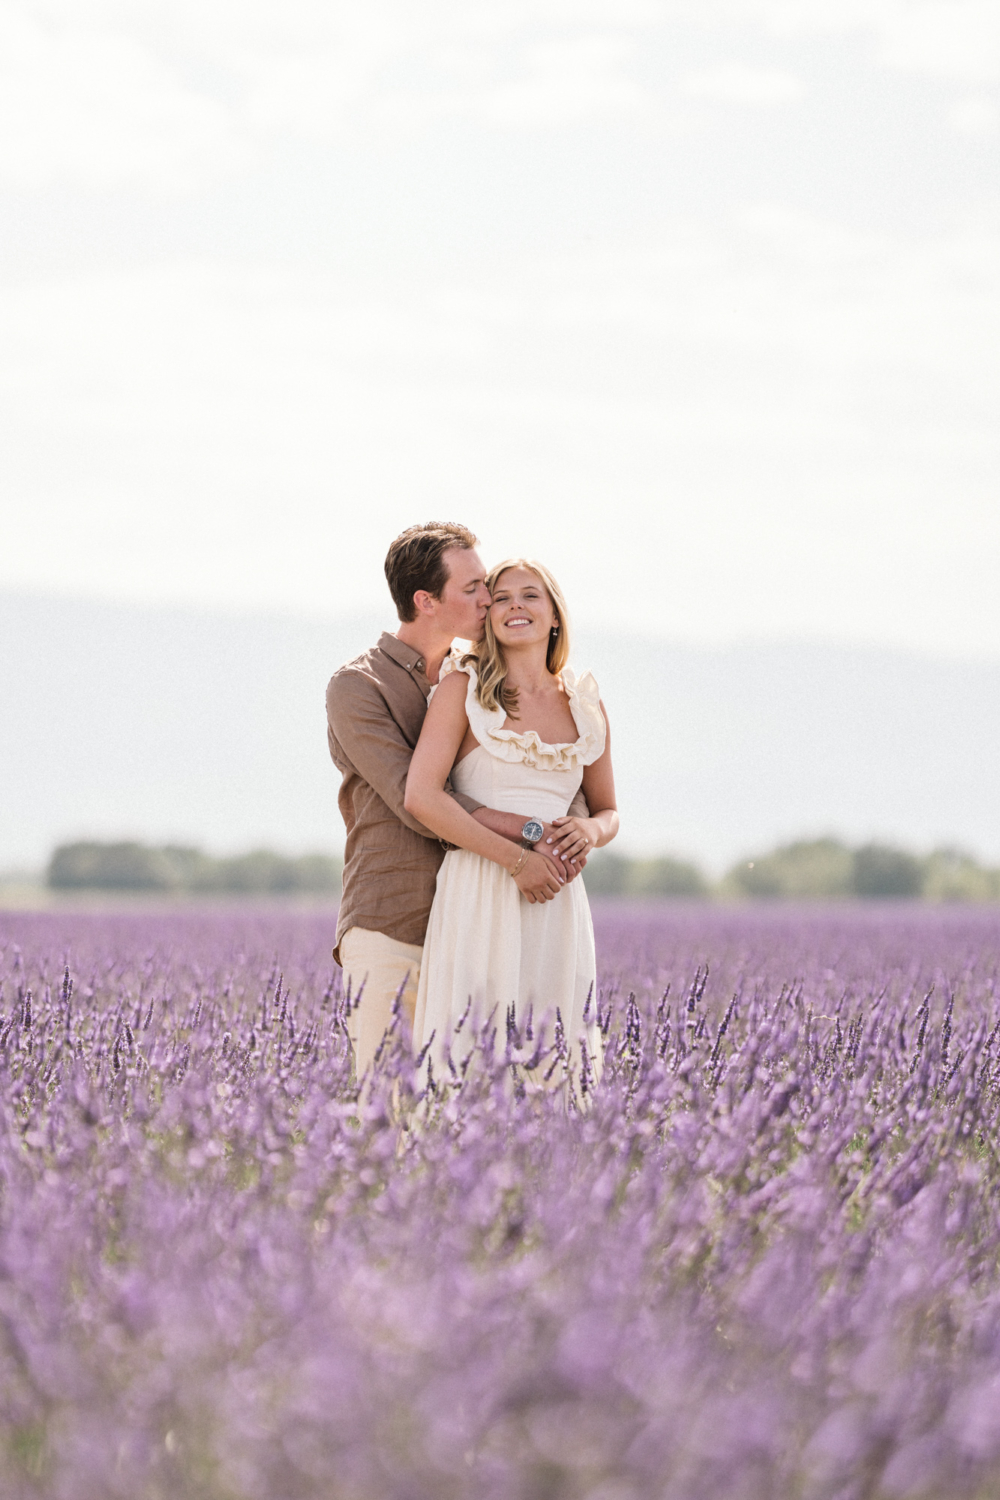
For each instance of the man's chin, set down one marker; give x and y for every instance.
(469, 638)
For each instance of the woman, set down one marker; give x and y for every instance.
(512, 726)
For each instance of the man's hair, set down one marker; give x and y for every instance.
(416, 561)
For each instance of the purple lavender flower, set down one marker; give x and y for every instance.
(760, 1256)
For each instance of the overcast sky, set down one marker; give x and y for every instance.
(699, 302)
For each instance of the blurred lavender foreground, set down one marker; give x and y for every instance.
(764, 1263)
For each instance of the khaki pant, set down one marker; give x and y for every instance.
(383, 966)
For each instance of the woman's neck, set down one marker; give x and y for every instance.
(527, 670)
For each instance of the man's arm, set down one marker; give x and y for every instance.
(359, 717)
(509, 825)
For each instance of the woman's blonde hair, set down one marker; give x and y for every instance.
(491, 689)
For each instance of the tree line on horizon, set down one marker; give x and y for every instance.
(170, 869)
(824, 869)
(821, 869)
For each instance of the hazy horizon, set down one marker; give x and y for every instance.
(207, 727)
(375, 619)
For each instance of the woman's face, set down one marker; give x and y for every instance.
(521, 612)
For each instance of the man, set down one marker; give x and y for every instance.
(375, 708)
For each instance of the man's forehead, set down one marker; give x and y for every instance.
(463, 564)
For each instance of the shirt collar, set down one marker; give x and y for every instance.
(405, 656)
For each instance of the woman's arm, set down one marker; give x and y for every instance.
(599, 789)
(426, 799)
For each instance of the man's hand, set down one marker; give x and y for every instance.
(565, 871)
(538, 879)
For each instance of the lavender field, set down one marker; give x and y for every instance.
(762, 1260)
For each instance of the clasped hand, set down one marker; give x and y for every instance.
(563, 847)
(572, 839)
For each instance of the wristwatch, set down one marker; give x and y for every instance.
(531, 833)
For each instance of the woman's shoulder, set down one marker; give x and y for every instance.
(451, 688)
(457, 679)
(462, 659)
(580, 686)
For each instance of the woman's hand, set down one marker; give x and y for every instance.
(537, 879)
(576, 836)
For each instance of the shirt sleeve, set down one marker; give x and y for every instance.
(359, 718)
(578, 807)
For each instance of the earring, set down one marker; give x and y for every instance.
(554, 630)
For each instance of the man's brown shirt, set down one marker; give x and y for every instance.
(375, 707)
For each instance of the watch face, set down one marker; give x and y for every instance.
(532, 831)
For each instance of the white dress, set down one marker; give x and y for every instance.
(486, 944)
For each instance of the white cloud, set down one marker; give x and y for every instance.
(945, 38)
(222, 433)
(102, 93)
(99, 107)
(266, 24)
(737, 83)
(938, 38)
(218, 430)
(168, 92)
(978, 117)
(312, 93)
(545, 83)
(565, 82)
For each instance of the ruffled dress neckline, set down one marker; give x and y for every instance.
(527, 746)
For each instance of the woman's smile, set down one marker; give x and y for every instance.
(521, 605)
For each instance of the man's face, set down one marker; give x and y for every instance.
(461, 609)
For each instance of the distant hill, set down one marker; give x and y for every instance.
(177, 869)
(187, 727)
